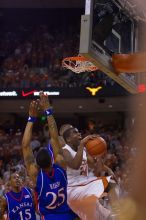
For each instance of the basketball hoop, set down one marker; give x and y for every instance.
(78, 64)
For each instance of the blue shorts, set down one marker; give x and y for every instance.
(63, 216)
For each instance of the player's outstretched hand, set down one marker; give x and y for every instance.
(44, 101)
(34, 108)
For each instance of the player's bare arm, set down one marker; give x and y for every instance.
(96, 163)
(26, 148)
(76, 162)
(3, 208)
(98, 166)
(110, 173)
(53, 131)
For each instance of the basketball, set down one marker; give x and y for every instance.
(96, 146)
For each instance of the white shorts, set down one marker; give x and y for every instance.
(83, 200)
(95, 187)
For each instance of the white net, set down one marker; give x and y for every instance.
(78, 66)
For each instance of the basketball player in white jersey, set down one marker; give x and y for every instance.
(84, 188)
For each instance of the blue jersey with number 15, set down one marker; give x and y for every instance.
(20, 205)
(52, 192)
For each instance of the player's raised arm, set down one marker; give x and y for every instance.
(53, 131)
(26, 148)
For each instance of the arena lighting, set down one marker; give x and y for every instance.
(8, 93)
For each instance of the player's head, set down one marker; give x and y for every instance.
(64, 128)
(72, 136)
(15, 180)
(43, 159)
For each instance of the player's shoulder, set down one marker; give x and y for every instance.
(6, 194)
(28, 193)
(59, 168)
(27, 189)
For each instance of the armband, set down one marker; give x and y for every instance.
(48, 112)
(31, 119)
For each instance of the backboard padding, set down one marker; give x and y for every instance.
(99, 57)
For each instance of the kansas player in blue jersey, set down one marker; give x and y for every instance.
(49, 178)
(18, 203)
(50, 151)
(59, 160)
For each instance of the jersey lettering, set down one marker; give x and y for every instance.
(27, 215)
(55, 197)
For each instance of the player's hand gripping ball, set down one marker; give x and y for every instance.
(96, 146)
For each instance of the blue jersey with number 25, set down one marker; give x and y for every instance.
(51, 191)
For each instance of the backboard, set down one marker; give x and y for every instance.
(107, 28)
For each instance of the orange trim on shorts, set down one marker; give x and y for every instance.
(84, 184)
(104, 181)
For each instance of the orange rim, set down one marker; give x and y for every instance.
(79, 58)
(78, 64)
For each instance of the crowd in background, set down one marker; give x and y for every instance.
(31, 57)
(119, 142)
